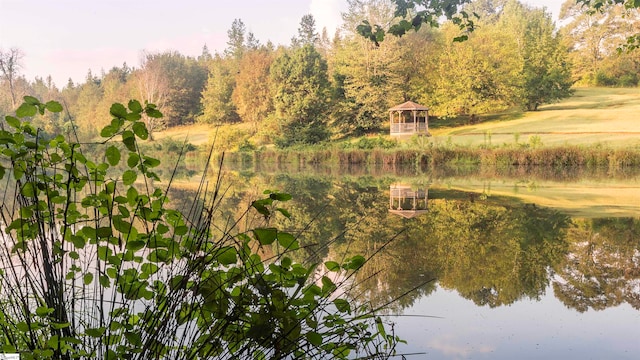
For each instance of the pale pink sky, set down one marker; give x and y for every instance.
(66, 38)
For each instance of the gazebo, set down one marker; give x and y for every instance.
(408, 119)
(406, 201)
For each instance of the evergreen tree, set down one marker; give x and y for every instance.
(301, 89)
(236, 43)
(307, 34)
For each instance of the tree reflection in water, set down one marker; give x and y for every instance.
(493, 251)
(602, 266)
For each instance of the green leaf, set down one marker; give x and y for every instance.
(287, 241)
(327, 286)
(354, 263)
(129, 140)
(12, 121)
(8, 349)
(265, 236)
(44, 311)
(332, 266)
(380, 326)
(180, 230)
(103, 253)
(158, 255)
(31, 100)
(133, 338)
(280, 196)
(149, 268)
(129, 177)
(151, 162)
(152, 112)
(284, 212)
(113, 155)
(103, 232)
(140, 129)
(134, 105)
(342, 305)
(95, 332)
(87, 278)
(136, 245)
(261, 206)
(58, 326)
(53, 106)
(118, 110)
(227, 255)
(26, 110)
(132, 195)
(133, 160)
(108, 131)
(314, 338)
(28, 189)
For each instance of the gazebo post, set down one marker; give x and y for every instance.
(391, 121)
(426, 120)
(415, 121)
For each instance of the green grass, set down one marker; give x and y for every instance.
(592, 116)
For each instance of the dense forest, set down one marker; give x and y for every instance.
(323, 86)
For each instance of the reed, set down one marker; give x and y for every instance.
(559, 156)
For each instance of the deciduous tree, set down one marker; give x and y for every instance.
(252, 93)
(10, 65)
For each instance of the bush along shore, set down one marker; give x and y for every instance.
(561, 156)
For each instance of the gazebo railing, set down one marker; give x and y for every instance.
(411, 128)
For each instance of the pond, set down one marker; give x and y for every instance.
(517, 263)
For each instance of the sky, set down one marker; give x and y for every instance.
(67, 38)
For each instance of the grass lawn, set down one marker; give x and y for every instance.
(592, 116)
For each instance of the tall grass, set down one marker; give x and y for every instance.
(559, 156)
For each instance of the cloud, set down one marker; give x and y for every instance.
(327, 13)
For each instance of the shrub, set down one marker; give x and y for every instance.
(96, 265)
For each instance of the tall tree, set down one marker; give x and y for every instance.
(236, 43)
(307, 34)
(476, 76)
(301, 89)
(604, 6)
(252, 93)
(594, 36)
(10, 64)
(546, 73)
(85, 109)
(372, 83)
(369, 77)
(217, 103)
(152, 86)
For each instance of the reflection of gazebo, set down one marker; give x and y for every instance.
(408, 119)
(407, 202)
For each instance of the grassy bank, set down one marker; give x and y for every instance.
(560, 156)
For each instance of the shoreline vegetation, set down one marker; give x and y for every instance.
(560, 156)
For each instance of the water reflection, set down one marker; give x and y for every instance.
(408, 201)
(481, 245)
(493, 250)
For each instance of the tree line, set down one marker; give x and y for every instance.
(343, 84)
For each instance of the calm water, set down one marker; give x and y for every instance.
(512, 265)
